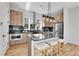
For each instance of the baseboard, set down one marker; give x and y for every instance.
(6, 50)
(71, 43)
(65, 42)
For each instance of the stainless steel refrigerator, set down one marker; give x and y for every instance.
(58, 30)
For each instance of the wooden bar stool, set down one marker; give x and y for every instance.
(60, 47)
(41, 49)
(53, 50)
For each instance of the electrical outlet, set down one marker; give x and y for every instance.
(1, 23)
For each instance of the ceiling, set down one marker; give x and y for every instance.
(42, 7)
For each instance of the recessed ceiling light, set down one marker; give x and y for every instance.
(28, 5)
(40, 7)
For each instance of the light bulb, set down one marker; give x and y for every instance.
(28, 5)
(43, 18)
(50, 20)
(47, 19)
(54, 21)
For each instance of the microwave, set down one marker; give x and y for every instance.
(15, 29)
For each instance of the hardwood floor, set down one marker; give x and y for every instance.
(18, 50)
(71, 50)
(22, 49)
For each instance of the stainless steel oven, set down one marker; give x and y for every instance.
(14, 37)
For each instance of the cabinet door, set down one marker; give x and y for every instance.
(19, 18)
(59, 17)
(48, 23)
(24, 37)
(16, 17)
(12, 17)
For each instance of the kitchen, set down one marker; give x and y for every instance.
(33, 29)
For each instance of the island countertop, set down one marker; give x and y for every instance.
(40, 36)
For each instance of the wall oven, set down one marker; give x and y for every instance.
(15, 32)
(14, 37)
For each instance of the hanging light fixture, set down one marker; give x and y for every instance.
(48, 11)
(48, 17)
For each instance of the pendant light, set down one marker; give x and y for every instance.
(48, 17)
(49, 9)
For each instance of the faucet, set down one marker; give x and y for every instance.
(47, 32)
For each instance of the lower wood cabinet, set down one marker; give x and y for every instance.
(21, 41)
(24, 37)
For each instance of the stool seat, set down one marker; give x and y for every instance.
(61, 40)
(41, 48)
(41, 45)
(53, 47)
(52, 43)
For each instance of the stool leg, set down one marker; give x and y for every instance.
(46, 52)
(43, 53)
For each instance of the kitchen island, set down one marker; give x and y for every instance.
(37, 40)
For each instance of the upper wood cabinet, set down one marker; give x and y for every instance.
(16, 17)
(47, 22)
(59, 17)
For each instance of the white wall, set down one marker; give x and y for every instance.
(18, 5)
(71, 25)
(66, 25)
(4, 28)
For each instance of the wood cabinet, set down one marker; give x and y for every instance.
(21, 41)
(59, 17)
(48, 22)
(24, 37)
(16, 17)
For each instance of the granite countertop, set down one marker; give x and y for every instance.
(40, 36)
(37, 38)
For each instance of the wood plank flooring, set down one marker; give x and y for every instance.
(22, 50)
(71, 50)
(18, 50)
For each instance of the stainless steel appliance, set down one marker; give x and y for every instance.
(15, 29)
(14, 37)
(58, 30)
(15, 32)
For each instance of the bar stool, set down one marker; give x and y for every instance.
(53, 50)
(60, 47)
(41, 49)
